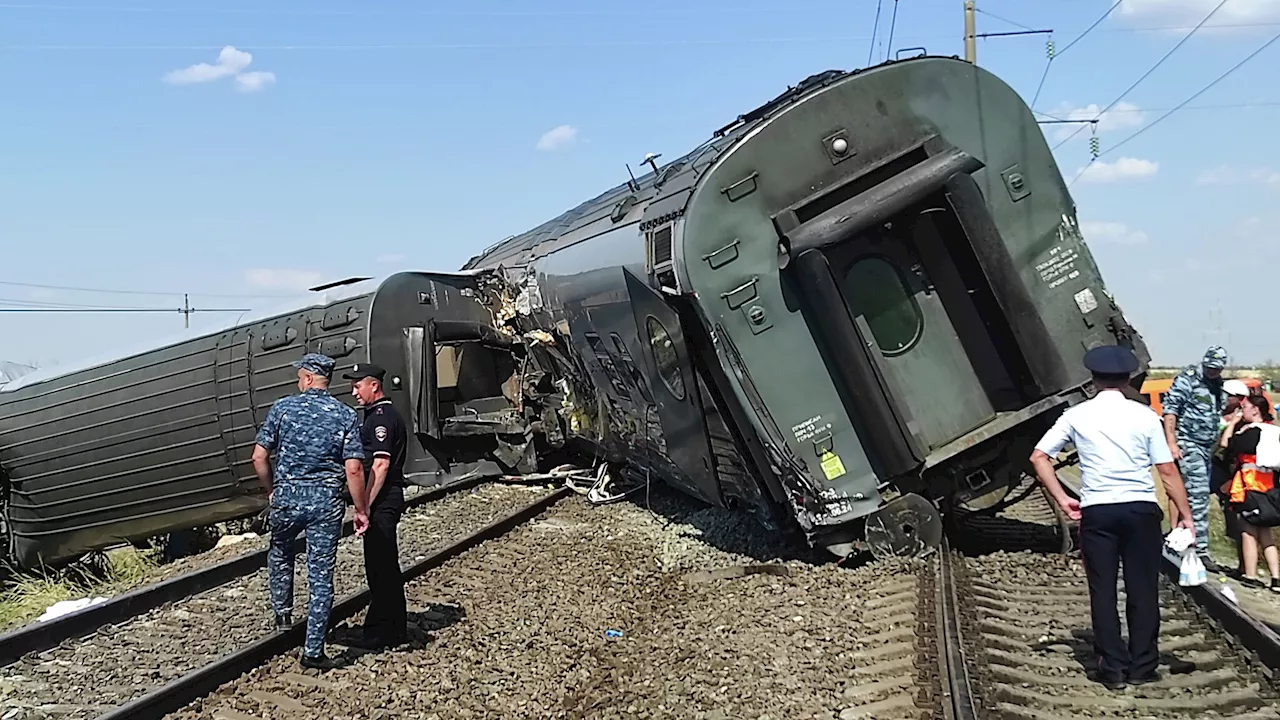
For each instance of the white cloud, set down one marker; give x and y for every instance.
(1123, 169)
(1123, 115)
(1228, 175)
(558, 137)
(1165, 13)
(231, 63)
(1112, 232)
(1221, 175)
(282, 278)
(254, 81)
(390, 258)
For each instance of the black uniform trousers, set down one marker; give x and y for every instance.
(1127, 533)
(385, 620)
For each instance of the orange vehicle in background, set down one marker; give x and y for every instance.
(1153, 391)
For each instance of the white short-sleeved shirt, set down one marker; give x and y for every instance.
(1118, 441)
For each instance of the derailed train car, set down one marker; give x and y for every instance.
(853, 306)
(131, 447)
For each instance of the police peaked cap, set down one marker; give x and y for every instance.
(316, 363)
(360, 371)
(1111, 360)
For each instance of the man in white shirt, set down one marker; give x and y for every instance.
(1118, 440)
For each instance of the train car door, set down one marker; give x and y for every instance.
(672, 386)
(888, 290)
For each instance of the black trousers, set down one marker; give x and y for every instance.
(1127, 533)
(385, 619)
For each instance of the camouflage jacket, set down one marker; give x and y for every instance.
(312, 435)
(1198, 405)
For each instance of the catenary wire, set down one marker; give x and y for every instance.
(532, 46)
(875, 30)
(155, 293)
(893, 24)
(700, 8)
(1179, 106)
(1147, 74)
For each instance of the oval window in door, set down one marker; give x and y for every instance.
(665, 357)
(875, 289)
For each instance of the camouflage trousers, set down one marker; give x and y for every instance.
(1195, 469)
(317, 510)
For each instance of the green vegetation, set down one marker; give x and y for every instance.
(26, 596)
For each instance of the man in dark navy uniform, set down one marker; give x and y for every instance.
(1118, 440)
(384, 437)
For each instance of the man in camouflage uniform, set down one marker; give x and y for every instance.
(1192, 409)
(316, 439)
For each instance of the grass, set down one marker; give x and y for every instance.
(26, 596)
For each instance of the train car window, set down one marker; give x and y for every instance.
(606, 362)
(636, 378)
(665, 357)
(879, 292)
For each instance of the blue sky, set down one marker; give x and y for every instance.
(334, 141)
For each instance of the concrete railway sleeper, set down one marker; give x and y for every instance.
(166, 651)
(1023, 645)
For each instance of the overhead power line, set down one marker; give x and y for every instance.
(1147, 74)
(1179, 106)
(117, 291)
(116, 310)
(1004, 20)
(1197, 94)
(544, 45)
(875, 30)
(196, 9)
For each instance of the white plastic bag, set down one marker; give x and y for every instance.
(1192, 572)
(1268, 452)
(1179, 539)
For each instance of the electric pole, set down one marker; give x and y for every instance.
(970, 33)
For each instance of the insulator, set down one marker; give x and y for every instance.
(1049, 48)
(1093, 146)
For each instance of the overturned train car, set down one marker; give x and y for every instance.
(128, 448)
(850, 308)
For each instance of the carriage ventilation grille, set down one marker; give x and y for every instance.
(661, 243)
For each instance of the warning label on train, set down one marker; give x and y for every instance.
(1059, 267)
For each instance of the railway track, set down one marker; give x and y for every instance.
(1006, 634)
(205, 574)
(619, 612)
(123, 669)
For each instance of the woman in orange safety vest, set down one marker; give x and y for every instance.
(1240, 440)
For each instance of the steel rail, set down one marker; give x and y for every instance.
(958, 703)
(203, 681)
(1258, 637)
(41, 636)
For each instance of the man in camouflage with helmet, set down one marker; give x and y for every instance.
(316, 440)
(1192, 410)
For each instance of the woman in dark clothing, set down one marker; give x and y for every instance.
(1240, 440)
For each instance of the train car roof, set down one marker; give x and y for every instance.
(667, 190)
(318, 299)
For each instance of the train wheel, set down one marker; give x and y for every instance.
(906, 526)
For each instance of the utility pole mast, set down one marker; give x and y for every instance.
(186, 312)
(970, 33)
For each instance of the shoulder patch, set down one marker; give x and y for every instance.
(380, 432)
(377, 411)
